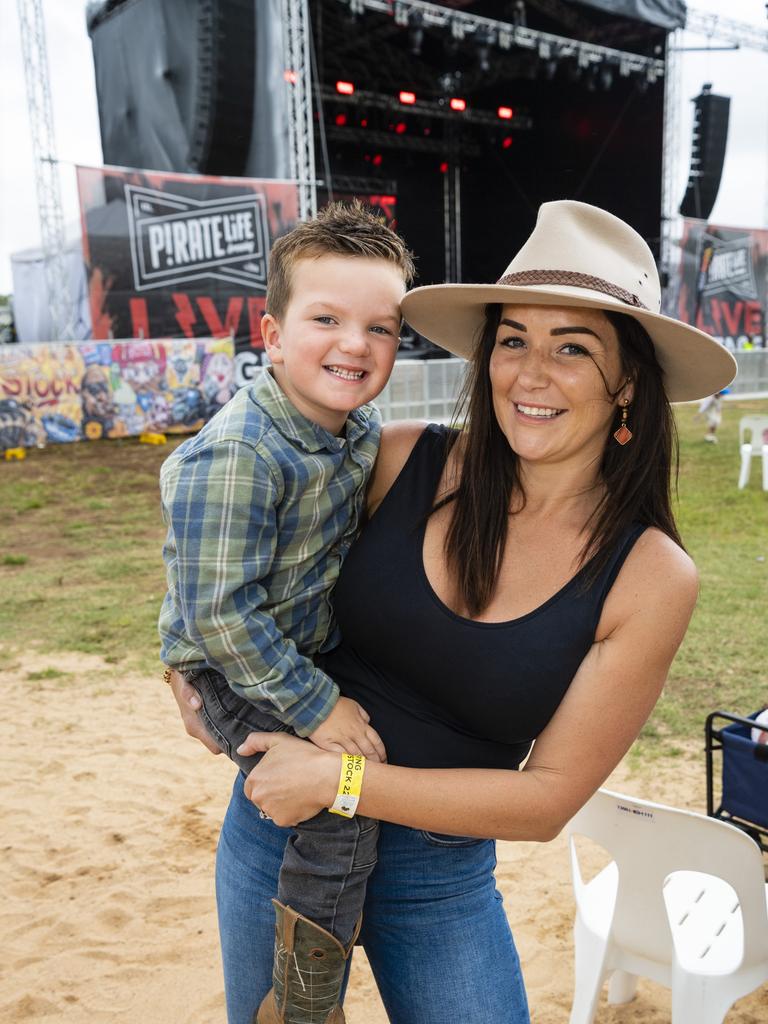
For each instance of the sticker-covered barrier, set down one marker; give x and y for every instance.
(59, 392)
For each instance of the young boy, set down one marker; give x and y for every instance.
(261, 507)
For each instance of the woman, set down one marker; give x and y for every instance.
(519, 579)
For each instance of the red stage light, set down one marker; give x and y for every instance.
(457, 104)
(401, 127)
(506, 141)
(505, 113)
(443, 167)
(377, 160)
(341, 119)
(364, 123)
(290, 76)
(345, 88)
(408, 97)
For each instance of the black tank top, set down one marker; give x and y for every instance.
(444, 691)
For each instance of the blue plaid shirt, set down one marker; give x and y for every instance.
(261, 507)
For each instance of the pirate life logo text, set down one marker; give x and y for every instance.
(727, 266)
(175, 239)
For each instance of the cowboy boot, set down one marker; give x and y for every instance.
(307, 975)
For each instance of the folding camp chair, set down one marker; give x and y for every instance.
(744, 789)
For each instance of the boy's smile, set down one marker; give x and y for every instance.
(333, 349)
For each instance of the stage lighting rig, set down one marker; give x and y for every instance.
(458, 30)
(505, 35)
(452, 105)
(484, 39)
(415, 32)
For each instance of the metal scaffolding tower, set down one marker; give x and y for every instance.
(669, 159)
(724, 30)
(298, 80)
(35, 57)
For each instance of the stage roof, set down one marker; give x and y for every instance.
(667, 14)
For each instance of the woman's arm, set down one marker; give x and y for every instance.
(618, 683)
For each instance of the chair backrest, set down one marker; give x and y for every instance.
(755, 427)
(648, 842)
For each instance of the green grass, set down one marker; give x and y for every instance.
(83, 532)
(81, 570)
(722, 662)
(46, 673)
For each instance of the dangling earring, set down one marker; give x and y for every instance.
(623, 435)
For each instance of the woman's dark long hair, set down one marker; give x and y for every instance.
(637, 477)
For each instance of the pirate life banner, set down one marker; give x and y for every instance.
(56, 392)
(723, 283)
(181, 255)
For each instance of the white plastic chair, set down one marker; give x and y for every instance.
(757, 446)
(664, 908)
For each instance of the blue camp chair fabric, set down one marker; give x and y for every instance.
(745, 775)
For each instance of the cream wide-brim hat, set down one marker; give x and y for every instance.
(579, 255)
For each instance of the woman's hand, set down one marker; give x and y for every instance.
(294, 780)
(189, 703)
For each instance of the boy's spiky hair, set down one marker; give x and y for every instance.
(339, 229)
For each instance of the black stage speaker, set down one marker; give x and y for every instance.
(710, 133)
(182, 84)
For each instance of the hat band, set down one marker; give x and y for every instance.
(576, 280)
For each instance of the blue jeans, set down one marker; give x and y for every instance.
(434, 927)
(327, 860)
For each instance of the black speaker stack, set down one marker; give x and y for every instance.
(710, 134)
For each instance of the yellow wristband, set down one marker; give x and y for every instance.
(350, 784)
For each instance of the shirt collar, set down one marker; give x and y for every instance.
(294, 426)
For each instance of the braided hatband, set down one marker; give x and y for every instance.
(576, 280)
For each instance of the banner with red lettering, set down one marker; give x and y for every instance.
(181, 255)
(53, 392)
(723, 283)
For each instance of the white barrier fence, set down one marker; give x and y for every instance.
(422, 389)
(426, 389)
(752, 378)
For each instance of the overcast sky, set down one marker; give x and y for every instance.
(742, 75)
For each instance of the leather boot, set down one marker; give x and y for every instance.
(307, 975)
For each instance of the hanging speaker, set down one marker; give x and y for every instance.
(191, 85)
(710, 134)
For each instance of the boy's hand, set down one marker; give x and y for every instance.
(346, 729)
(189, 703)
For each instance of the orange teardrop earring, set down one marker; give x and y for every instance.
(623, 435)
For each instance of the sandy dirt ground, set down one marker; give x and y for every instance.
(109, 823)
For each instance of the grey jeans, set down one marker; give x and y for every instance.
(328, 858)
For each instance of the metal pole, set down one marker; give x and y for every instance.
(298, 82)
(457, 216)
(668, 256)
(40, 110)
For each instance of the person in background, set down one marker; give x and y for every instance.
(711, 408)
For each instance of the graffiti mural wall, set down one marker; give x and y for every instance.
(59, 392)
